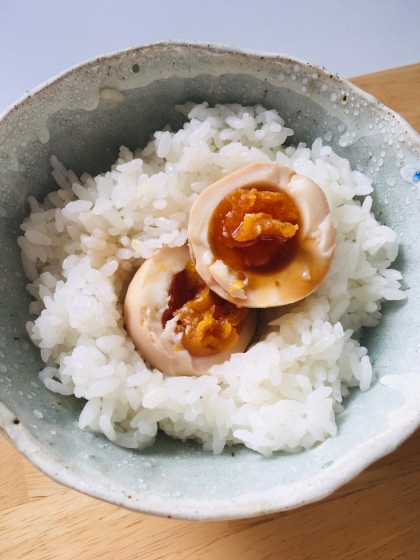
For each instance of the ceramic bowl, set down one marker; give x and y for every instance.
(72, 117)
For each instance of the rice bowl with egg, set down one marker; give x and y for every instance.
(83, 243)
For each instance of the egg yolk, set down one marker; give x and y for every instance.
(254, 229)
(208, 323)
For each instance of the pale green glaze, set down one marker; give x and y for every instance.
(68, 118)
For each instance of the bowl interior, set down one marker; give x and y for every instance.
(70, 119)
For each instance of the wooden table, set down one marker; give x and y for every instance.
(376, 516)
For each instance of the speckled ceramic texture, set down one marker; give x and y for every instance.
(70, 118)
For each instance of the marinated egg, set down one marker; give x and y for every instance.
(176, 322)
(263, 236)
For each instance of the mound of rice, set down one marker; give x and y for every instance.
(84, 242)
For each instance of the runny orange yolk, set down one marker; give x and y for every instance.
(209, 324)
(254, 229)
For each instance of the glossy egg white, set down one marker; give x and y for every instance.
(147, 299)
(316, 240)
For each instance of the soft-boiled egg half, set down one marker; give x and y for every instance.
(262, 236)
(176, 323)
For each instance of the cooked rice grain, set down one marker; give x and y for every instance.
(82, 245)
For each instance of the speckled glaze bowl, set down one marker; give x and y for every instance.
(83, 116)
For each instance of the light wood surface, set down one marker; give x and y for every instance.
(376, 516)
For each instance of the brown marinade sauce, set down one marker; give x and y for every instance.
(268, 252)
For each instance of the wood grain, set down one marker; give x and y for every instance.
(376, 516)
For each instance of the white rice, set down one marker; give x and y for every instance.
(83, 243)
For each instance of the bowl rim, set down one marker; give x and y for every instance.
(279, 498)
(211, 47)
